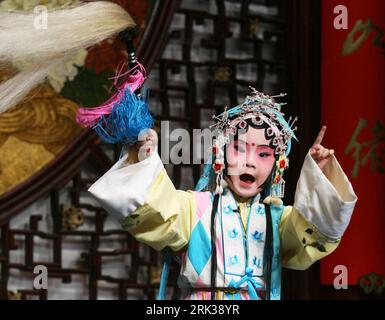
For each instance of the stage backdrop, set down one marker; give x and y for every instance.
(353, 107)
(44, 123)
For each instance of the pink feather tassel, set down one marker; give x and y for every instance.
(135, 77)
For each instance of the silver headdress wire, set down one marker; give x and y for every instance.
(259, 108)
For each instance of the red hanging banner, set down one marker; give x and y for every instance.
(353, 108)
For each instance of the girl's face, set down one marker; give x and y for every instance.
(250, 160)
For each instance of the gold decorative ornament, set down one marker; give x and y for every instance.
(72, 217)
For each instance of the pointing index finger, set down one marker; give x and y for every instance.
(320, 136)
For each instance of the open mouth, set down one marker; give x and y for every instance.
(247, 178)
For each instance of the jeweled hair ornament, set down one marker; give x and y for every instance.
(259, 108)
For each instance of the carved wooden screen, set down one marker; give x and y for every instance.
(214, 50)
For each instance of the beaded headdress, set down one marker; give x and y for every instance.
(259, 108)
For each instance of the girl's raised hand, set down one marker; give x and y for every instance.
(147, 143)
(319, 153)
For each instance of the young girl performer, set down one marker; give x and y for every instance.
(233, 232)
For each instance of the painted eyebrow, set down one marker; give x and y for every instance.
(260, 145)
(264, 145)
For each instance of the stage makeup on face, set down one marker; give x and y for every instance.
(250, 160)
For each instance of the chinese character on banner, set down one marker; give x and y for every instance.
(363, 151)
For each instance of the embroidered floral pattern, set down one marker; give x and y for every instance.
(319, 242)
(260, 209)
(233, 233)
(257, 262)
(257, 236)
(228, 209)
(233, 260)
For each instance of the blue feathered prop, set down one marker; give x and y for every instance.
(129, 116)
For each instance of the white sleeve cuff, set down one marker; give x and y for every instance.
(325, 197)
(125, 187)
